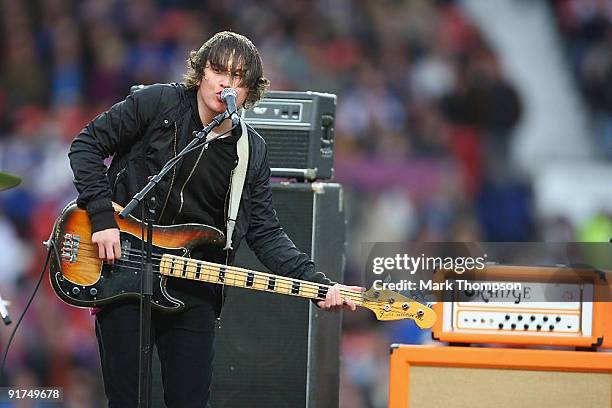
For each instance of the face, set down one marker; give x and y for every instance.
(210, 87)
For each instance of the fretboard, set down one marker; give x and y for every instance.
(193, 269)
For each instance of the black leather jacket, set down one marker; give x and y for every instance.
(143, 133)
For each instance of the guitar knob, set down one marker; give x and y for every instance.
(420, 312)
(387, 308)
(377, 294)
(391, 300)
(93, 291)
(405, 305)
(76, 290)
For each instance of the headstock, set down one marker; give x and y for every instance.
(388, 305)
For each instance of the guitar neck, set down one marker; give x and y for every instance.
(193, 269)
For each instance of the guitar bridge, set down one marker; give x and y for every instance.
(70, 247)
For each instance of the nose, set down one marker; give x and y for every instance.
(225, 80)
(228, 81)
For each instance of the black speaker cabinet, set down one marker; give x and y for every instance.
(299, 130)
(282, 351)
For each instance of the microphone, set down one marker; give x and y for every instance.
(228, 96)
(4, 312)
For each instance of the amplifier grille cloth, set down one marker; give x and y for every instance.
(289, 148)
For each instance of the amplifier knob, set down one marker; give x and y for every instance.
(76, 291)
(507, 317)
(513, 326)
(532, 318)
(501, 326)
(545, 318)
(558, 319)
(93, 291)
(539, 327)
(551, 327)
(520, 317)
(526, 327)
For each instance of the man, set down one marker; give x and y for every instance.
(142, 133)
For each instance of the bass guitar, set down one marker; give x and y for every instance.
(80, 278)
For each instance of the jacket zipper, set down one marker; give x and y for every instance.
(117, 177)
(173, 175)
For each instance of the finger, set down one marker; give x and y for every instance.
(323, 303)
(110, 253)
(350, 304)
(326, 301)
(101, 251)
(330, 297)
(337, 297)
(329, 301)
(117, 249)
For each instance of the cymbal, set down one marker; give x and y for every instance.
(8, 181)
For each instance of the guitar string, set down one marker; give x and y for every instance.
(210, 271)
(356, 296)
(237, 270)
(288, 281)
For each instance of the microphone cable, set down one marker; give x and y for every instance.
(42, 273)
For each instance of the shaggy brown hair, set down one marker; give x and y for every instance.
(218, 51)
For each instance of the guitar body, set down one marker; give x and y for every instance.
(80, 278)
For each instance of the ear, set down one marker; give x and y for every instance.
(202, 77)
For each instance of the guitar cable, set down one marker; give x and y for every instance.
(51, 246)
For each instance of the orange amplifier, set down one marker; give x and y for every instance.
(550, 306)
(449, 377)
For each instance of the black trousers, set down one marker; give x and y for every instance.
(185, 344)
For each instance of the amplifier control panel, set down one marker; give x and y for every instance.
(520, 323)
(281, 111)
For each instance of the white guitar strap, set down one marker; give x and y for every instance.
(237, 184)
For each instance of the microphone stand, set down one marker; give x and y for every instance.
(146, 278)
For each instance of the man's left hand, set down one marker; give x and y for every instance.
(337, 298)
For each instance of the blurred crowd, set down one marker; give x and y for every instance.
(425, 117)
(587, 30)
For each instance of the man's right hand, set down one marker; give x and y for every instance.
(109, 247)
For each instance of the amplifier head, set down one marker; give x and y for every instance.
(298, 128)
(552, 306)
